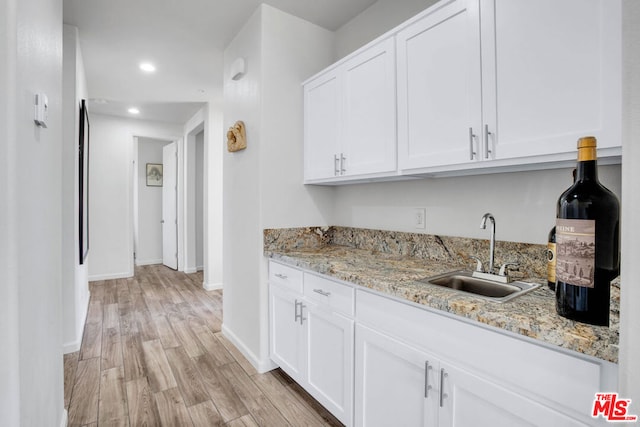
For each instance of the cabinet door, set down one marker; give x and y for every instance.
(552, 73)
(330, 360)
(470, 401)
(322, 115)
(439, 97)
(369, 112)
(395, 385)
(287, 335)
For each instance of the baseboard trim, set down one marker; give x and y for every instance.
(261, 366)
(190, 270)
(73, 346)
(110, 276)
(212, 286)
(148, 262)
(64, 421)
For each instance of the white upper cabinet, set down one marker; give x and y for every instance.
(439, 87)
(369, 118)
(467, 86)
(551, 74)
(350, 117)
(486, 83)
(321, 126)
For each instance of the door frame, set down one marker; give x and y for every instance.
(187, 257)
(134, 193)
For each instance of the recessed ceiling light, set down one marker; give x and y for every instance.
(147, 67)
(133, 110)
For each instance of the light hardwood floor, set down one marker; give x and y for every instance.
(153, 355)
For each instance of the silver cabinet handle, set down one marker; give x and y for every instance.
(427, 387)
(295, 311)
(336, 165)
(302, 318)
(321, 292)
(299, 316)
(472, 152)
(343, 167)
(443, 375)
(281, 276)
(487, 151)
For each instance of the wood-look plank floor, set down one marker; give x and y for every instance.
(153, 355)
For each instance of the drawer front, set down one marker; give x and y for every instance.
(329, 294)
(286, 276)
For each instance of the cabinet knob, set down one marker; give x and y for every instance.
(281, 276)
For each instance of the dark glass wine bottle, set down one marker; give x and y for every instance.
(551, 259)
(587, 243)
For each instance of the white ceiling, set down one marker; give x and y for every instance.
(185, 39)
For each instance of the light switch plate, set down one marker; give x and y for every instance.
(420, 218)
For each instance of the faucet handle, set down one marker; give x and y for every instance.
(503, 269)
(479, 266)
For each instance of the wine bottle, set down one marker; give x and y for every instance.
(587, 243)
(551, 260)
(551, 251)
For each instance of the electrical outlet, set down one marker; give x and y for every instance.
(420, 218)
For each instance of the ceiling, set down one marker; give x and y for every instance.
(185, 39)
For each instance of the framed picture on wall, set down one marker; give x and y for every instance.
(154, 175)
(83, 182)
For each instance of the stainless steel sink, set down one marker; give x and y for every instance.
(463, 281)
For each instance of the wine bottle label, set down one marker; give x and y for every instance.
(551, 262)
(576, 251)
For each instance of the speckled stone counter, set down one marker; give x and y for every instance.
(394, 263)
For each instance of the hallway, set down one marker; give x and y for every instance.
(153, 354)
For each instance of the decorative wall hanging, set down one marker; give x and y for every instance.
(236, 137)
(154, 175)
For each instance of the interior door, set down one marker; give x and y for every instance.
(170, 206)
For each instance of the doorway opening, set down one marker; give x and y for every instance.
(155, 239)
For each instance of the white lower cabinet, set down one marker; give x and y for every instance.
(376, 361)
(329, 361)
(287, 335)
(396, 385)
(313, 343)
(469, 400)
(399, 385)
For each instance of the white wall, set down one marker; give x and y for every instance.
(263, 184)
(523, 203)
(31, 380)
(213, 196)
(110, 190)
(199, 199)
(75, 296)
(376, 20)
(9, 300)
(149, 249)
(629, 374)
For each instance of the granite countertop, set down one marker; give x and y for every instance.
(532, 314)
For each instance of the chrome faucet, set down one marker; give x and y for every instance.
(492, 242)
